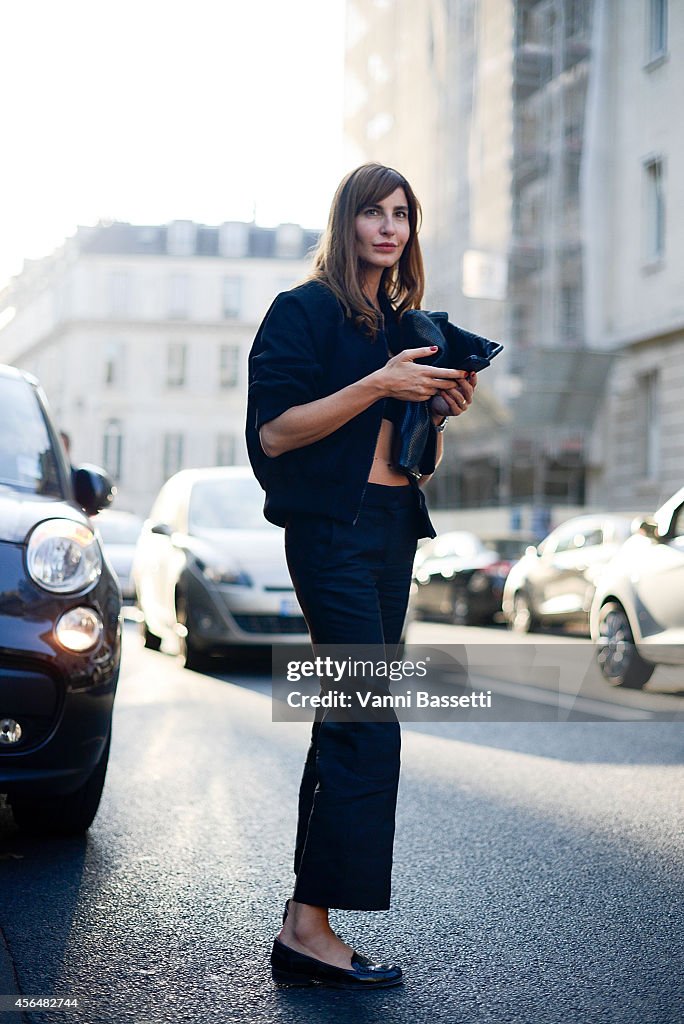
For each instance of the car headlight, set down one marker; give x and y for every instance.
(63, 556)
(79, 629)
(226, 574)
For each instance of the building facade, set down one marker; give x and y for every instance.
(140, 335)
(548, 161)
(633, 212)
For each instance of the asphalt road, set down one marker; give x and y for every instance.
(538, 869)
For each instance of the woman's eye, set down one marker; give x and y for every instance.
(402, 214)
(371, 210)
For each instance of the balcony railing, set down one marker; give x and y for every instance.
(533, 66)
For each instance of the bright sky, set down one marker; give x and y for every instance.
(150, 110)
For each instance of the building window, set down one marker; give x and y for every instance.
(178, 296)
(119, 293)
(112, 448)
(231, 297)
(228, 366)
(175, 364)
(173, 454)
(225, 450)
(289, 241)
(233, 239)
(657, 29)
(570, 310)
(577, 18)
(655, 210)
(114, 364)
(181, 236)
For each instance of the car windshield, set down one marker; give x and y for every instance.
(119, 531)
(459, 545)
(227, 504)
(27, 458)
(509, 548)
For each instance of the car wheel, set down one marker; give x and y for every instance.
(522, 621)
(193, 658)
(617, 655)
(150, 640)
(69, 815)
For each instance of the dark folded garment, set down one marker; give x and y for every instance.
(411, 437)
(456, 350)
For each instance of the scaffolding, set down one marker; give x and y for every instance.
(550, 74)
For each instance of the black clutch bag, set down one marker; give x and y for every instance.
(457, 350)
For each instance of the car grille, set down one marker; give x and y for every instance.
(31, 698)
(271, 623)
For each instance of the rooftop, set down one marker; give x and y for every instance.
(186, 238)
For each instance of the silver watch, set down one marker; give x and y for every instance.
(440, 427)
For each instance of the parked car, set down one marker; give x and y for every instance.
(554, 582)
(458, 578)
(210, 571)
(60, 639)
(637, 615)
(119, 532)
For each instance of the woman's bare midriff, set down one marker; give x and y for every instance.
(382, 470)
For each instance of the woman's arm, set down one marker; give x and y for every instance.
(401, 377)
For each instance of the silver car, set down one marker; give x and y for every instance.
(637, 616)
(210, 571)
(554, 583)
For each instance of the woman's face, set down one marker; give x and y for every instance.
(382, 230)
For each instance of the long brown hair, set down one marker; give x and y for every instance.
(336, 262)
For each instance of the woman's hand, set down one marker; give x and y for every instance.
(457, 398)
(402, 378)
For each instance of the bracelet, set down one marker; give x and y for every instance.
(440, 427)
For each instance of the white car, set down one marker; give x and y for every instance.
(637, 615)
(210, 571)
(119, 532)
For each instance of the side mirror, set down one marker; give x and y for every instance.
(93, 489)
(162, 529)
(649, 528)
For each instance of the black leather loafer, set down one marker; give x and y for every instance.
(292, 968)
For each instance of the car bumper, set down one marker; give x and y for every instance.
(65, 758)
(227, 616)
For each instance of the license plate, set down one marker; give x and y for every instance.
(289, 606)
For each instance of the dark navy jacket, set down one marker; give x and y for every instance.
(306, 348)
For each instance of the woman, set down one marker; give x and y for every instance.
(330, 371)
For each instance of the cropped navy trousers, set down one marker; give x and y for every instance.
(352, 582)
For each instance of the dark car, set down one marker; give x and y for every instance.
(459, 578)
(60, 635)
(554, 583)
